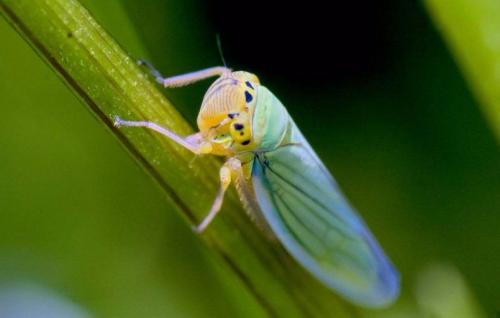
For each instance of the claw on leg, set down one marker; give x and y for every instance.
(157, 75)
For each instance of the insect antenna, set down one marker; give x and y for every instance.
(219, 47)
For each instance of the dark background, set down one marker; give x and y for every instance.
(313, 46)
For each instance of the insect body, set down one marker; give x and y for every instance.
(281, 180)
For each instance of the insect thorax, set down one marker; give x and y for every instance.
(225, 117)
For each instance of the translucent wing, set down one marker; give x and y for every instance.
(309, 215)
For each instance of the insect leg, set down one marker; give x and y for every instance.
(185, 79)
(157, 75)
(232, 165)
(193, 142)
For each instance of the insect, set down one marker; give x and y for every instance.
(283, 184)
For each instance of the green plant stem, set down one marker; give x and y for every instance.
(472, 30)
(109, 83)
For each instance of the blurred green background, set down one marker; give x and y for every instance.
(376, 92)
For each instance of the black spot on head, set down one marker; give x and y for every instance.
(242, 133)
(248, 97)
(246, 142)
(239, 126)
(249, 84)
(232, 115)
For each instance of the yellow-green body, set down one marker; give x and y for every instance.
(284, 185)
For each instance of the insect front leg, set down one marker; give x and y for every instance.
(185, 79)
(192, 142)
(231, 166)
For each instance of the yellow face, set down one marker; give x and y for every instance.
(225, 117)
